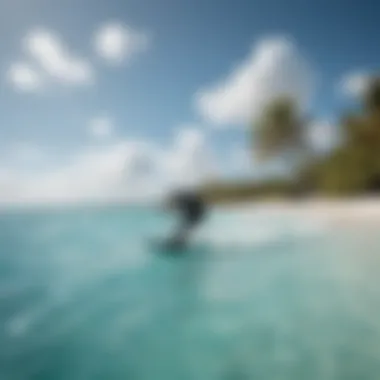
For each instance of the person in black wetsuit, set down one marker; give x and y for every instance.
(192, 210)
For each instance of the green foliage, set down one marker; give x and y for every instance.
(278, 130)
(240, 191)
(372, 96)
(353, 168)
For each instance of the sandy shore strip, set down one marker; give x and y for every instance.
(338, 213)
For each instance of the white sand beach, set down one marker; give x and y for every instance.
(331, 212)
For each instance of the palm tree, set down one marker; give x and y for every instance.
(278, 131)
(355, 166)
(372, 95)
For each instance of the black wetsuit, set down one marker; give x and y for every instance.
(192, 209)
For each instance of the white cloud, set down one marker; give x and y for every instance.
(117, 171)
(117, 43)
(355, 84)
(24, 78)
(101, 127)
(55, 59)
(275, 67)
(190, 161)
(323, 136)
(89, 175)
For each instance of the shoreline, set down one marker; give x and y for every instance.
(333, 212)
(336, 211)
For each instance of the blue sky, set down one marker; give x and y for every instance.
(152, 92)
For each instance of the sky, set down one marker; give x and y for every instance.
(114, 99)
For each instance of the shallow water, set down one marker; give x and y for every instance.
(85, 295)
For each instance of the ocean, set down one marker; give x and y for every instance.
(87, 294)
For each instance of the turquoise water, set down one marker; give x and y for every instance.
(83, 295)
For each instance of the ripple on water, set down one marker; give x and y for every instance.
(83, 298)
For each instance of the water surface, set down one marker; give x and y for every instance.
(84, 295)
